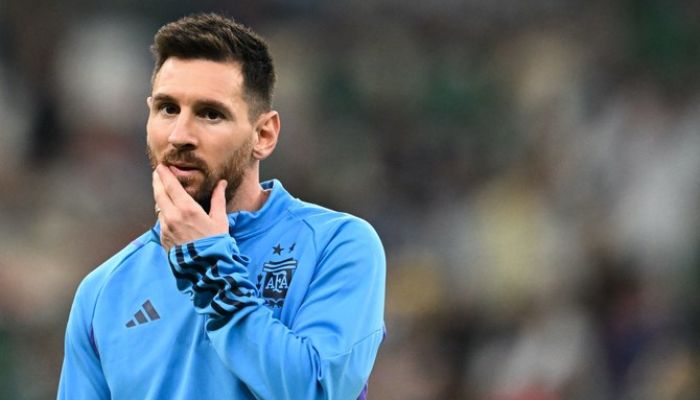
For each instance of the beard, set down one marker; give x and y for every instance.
(231, 170)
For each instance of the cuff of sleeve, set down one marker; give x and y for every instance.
(214, 273)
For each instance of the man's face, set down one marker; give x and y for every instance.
(198, 125)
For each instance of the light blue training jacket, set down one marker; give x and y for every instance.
(288, 305)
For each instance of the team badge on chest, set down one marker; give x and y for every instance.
(275, 279)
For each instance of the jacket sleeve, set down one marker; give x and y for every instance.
(329, 351)
(81, 374)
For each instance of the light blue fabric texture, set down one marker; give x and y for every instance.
(288, 305)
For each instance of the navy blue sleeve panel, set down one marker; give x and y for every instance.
(214, 274)
(329, 350)
(81, 374)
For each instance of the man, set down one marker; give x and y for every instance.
(239, 290)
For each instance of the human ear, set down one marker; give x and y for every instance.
(267, 130)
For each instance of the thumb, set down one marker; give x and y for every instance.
(218, 201)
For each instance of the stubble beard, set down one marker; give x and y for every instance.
(232, 170)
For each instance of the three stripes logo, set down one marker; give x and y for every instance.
(141, 318)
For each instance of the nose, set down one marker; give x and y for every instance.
(182, 133)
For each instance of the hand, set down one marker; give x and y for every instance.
(181, 218)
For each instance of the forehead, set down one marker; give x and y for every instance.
(199, 79)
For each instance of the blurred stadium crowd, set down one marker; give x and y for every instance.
(533, 169)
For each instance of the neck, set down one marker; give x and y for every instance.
(249, 196)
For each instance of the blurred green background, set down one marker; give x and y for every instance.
(533, 168)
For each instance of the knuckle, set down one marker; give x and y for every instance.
(189, 212)
(176, 219)
(172, 218)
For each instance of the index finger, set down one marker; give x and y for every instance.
(162, 199)
(172, 187)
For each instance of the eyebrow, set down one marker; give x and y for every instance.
(206, 103)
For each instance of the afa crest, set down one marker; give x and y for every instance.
(275, 279)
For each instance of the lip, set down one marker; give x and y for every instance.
(183, 170)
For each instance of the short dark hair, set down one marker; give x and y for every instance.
(217, 38)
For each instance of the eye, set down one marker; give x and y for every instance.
(168, 108)
(211, 114)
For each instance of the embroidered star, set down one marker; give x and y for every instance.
(291, 249)
(277, 249)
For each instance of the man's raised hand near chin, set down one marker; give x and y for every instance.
(181, 218)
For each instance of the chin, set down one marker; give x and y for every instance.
(192, 192)
(202, 197)
(191, 188)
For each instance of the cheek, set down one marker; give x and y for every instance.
(154, 136)
(224, 154)
(155, 148)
